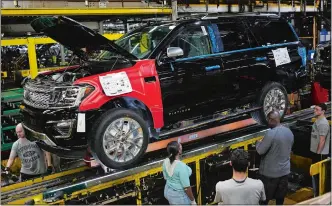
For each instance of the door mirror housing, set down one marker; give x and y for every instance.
(174, 52)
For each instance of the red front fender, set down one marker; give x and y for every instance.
(148, 92)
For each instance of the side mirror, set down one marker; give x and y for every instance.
(174, 52)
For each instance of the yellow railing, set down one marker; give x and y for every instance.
(319, 168)
(196, 160)
(31, 44)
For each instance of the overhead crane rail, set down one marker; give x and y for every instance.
(85, 11)
(64, 191)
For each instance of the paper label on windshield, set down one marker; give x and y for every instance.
(115, 84)
(281, 56)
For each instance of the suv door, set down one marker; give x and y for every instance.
(183, 79)
(234, 48)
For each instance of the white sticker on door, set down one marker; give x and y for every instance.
(281, 56)
(115, 84)
(81, 122)
(204, 30)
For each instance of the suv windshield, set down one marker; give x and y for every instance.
(142, 42)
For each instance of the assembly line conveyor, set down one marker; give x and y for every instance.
(144, 183)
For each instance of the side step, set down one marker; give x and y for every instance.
(219, 118)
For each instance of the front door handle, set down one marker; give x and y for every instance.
(260, 59)
(211, 68)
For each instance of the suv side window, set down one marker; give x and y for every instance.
(194, 41)
(233, 36)
(272, 32)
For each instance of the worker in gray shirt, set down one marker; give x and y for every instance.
(320, 139)
(275, 150)
(320, 135)
(31, 156)
(240, 190)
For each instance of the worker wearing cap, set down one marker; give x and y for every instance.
(31, 156)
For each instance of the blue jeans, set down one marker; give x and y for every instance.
(176, 197)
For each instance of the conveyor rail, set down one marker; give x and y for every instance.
(61, 188)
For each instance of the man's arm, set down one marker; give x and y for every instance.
(263, 145)
(323, 130)
(263, 196)
(218, 197)
(48, 159)
(10, 162)
(12, 155)
(321, 144)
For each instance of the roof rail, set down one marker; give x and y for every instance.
(219, 15)
(192, 16)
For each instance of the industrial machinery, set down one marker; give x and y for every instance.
(209, 159)
(10, 117)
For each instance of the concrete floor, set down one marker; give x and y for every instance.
(297, 197)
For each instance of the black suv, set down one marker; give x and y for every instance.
(158, 79)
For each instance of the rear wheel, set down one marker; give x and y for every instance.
(120, 138)
(273, 96)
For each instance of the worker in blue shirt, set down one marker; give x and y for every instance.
(176, 173)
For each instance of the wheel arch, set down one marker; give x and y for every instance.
(132, 104)
(291, 78)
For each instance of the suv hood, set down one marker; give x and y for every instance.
(76, 36)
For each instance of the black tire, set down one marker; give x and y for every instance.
(259, 116)
(97, 133)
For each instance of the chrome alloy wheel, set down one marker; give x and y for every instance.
(123, 139)
(275, 100)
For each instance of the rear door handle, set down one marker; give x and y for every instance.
(260, 59)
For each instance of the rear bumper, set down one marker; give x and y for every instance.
(44, 142)
(324, 78)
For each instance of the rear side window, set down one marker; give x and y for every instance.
(273, 32)
(233, 36)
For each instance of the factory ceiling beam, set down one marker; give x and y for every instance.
(85, 11)
(213, 8)
(24, 28)
(26, 4)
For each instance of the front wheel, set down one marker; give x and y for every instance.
(119, 138)
(273, 96)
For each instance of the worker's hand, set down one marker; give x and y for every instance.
(193, 202)
(7, 170)
(257, 142)
(49, 170)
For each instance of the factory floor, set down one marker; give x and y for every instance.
(297, 197)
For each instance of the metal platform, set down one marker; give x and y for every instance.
(61, 188)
